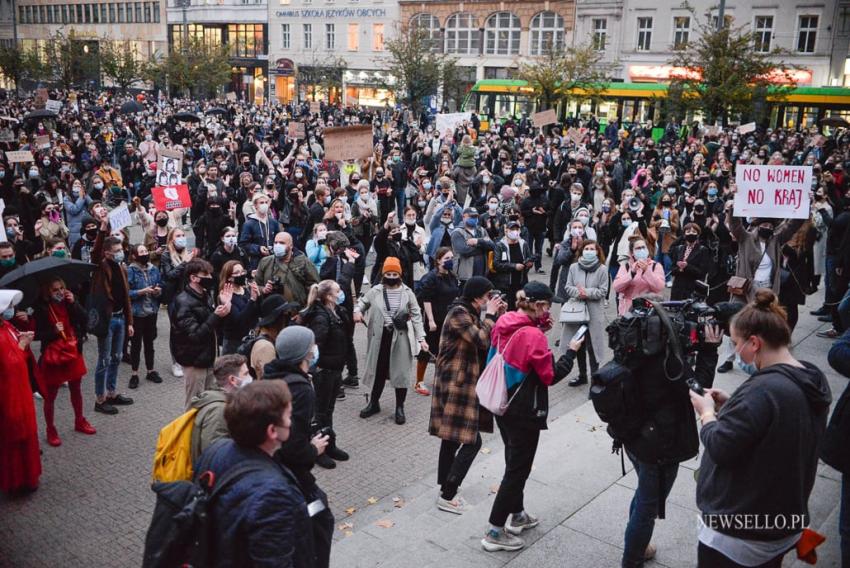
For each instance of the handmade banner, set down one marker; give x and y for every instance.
(348, 142)
(20, 156)
(450, 121)
(315, 107)
(774, 192)
(119, 218)
(169, 168)
(576, 135)
(747, 128)
(544, 117)
(297, 131)
(166, 198)
(53, 106)
(42, 142)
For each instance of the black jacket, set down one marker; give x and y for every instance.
(531, 402)
(220, 256)
(504, 265)
(699, 265)
(193, 329)
(440, 291)
(761, 454)
(333, 331)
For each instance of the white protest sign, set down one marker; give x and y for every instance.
(450, 121)
(747, 128)
(773, 192)
(119, 217)
(53, 106)
(3, 238)
(170, 167)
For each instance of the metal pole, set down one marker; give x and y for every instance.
(721, 9)
(15, 22)
(185, 30)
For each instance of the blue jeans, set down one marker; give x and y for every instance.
(827, 278)
(844, 520)
(664, 260)
(654, 485)
(536, 246)
(109, 350)
(400, 203)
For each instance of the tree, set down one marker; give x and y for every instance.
(721, 74)
(70, 61)
(121, 65)
(322, 75)
(558, 73)
(413, 70)
(452, 81)
(17, 65)
(198, 71)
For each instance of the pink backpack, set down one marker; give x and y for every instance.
(492, 387)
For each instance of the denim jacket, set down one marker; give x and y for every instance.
(139, 278)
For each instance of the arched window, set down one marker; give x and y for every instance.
(462, 34)
(430, 25)
(502, 34)
(547, 33)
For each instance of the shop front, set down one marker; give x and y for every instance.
(367, 89)
(282, 86)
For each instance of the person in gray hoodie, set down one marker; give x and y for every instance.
(761, 445)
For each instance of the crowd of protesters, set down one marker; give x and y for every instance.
(452, 224)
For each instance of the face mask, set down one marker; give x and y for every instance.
(299, 175)
(8, 313)
(748, 368)
(143, 259)
(396, 158)
(584, 220)
(589, 255)
(765, 232)
(485, 180)
(118, 257)
(626, 222)
(410, 222)
(606, 208)
(33, 173)
(7, 262)
(513, 235)
(641, 254)
(279, 250)
(422, 204)
(315, 358)
(449, 264)
(379, 174)
(665, 203)
(691, 237)
(391, 282)
(97, 185)
(599, 173)
(75, 191)
(446, 222)
(206, 283)
(180, 243)
(577, 233)
(263, 208)
(518, 182)
(472, 222)
(712, 191)
(276, 161)
(2, 174)
(395, 236)
(506, 172)
(245, 381)
(61, 253)
(340, 298)
(671, 191)
(575, 198)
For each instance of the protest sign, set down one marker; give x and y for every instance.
(544, 117)
(747, 128)
(20, 156)
(166, 198)
(774, 192)
(450, 121)
(119, 218)
(315, 107)
(297, 131)
(42, 142)
(348, 143)
(41, 97)
(169, 168)
(230, 97)
(53, 106)
(575, 135)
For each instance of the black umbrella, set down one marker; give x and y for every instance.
(29, 277)
(187, 117)
(216, 110)
(40, 113)
(131, 107)
(834, 121)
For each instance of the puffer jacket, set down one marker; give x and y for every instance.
(333, 332)
(193, 329)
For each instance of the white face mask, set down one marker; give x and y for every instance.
(245, 381)
(263, 208)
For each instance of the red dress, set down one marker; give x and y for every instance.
(20, 460)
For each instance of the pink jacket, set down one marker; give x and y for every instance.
(650, 281)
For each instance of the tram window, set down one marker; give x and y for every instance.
(628, 111)
(485, 104)
(810, 117)
(524, 105)
(505, 105)
(791, 116)
(607, 110)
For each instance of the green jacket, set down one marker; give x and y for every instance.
(209, 421)
(466, 156)
(297, 276)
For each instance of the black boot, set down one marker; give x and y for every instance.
(725, 367)
(399, 415)
(325, 461)
(370, 409)
(333, 452)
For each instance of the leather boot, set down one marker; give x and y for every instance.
(370, 409)
(399, 415)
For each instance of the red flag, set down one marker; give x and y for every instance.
(169, 197)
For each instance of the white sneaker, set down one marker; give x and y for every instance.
(501, 540)
(516, 524)
(456, 505)
(669, 284)
(177, 370)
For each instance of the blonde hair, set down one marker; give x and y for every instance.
(320, 291)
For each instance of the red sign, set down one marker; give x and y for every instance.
(169, 197)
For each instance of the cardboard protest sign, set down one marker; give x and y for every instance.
(20, 156)
(450, 121)
(119, 218)
(230, 97)
(348, 142)
(41, 97)
(544, 117)
(575, 135)
(297, 130)
(169, 168)
(171, 197)
(53, 106)
(315, 107)
(747, 128)
(42, 142)
(774, 192)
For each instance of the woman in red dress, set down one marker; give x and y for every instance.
(57, 317)
(20, 460)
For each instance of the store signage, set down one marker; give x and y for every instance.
(285, 67)
(333, 13)
(668, 72)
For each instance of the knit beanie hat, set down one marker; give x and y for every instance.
(476, 287)
(537, 292)
(391, 264)
(293, 343)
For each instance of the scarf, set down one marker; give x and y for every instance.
(588, 265)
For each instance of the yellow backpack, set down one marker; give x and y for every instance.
(172, 460)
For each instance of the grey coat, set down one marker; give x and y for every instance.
(470, 260)
(405, 345)
(750, 253)
(596, 286)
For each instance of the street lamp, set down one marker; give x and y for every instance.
(185, 35)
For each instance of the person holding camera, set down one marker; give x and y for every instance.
(770, 428)
(286, 271)
(395, 336)
(583, 288)
(638, 276)
(512, 262)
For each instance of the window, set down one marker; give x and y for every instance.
(22, 15)
(64, 13)
(681, 31)
(430, 26)
(284, 36)
(138, 12)
(330, 36)
(600, 33)
(244, 40)
(121, 13)
(156, 12)
(50, 14)
(547, 33)
(807, 34)
(148, 15)
(79, 13)
(103, 16)
(42, 14)
(462, 34)
(377, 37)
(95, 14)
(130, 18)
(644, 37)
(353, 37)
(763, 33)
(308, 36)
(502, 34)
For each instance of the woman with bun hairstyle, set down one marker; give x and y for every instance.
(530, 369)
(761, 445)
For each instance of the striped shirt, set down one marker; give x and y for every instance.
(393, 296)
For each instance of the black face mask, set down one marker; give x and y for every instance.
(396, 237)
(214, 211)
(143, 258)
(691, 238)
(91, 234)
(162, 221)
(240, 280)
(207, 283)
(699, 210)
(765, 232)
(391, 282)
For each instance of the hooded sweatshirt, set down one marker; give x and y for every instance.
(761, 454)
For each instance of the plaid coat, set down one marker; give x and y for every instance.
(455, 413)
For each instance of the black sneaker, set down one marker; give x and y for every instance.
(105, 408)
(821, 311)
(336, 454)
(119, 400)
(153, 377)
(577, 382)
(725, 367)
(134, 382)
(827, 318)
(351, 382)
(340, 395)
(325, 462)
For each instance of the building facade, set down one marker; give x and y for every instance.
(309, 39)
(241, 25)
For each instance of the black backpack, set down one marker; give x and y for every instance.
(616, 398)
(179, 533)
